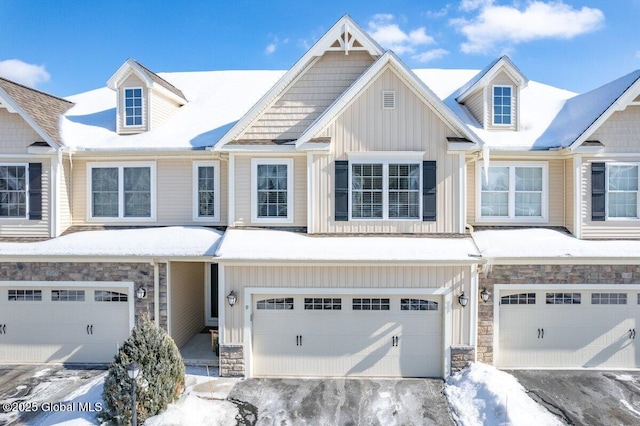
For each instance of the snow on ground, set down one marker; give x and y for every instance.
(483, 395)
(89, 397)
(159, 241)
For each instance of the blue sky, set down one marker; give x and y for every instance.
(66, 46)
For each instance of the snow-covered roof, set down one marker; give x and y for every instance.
(217, 99)
(175, 241)
(275, 245)
(540, 243)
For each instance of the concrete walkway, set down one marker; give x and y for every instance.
(341, 402)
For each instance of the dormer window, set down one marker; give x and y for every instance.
(502, 101)
(133, 106)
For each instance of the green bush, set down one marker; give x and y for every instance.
(161, 378)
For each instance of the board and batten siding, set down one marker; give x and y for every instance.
(14, 228)
(186, 288)
(174, 192)
(556, 194)
(365, 126)
(621, 132)
(243, 196)
(377, 278)
(131, 80)
(309, 96)
(608, 229)
(15, 134)
(161, 108)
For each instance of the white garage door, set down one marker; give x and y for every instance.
(376, 336)
(62, 324)
(568, 329)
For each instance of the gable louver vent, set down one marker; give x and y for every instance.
(388, 99)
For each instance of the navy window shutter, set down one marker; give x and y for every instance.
(342, 191)
(598, 192)
(429, 191)
(35, 191)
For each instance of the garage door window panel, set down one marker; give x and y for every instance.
(563, 298)
(25, 295)
(519, 299)
(609, 298)
(322, 304)
(370, 304)
(109, 296)
(279, 304)
(418, 305)
(67, 295)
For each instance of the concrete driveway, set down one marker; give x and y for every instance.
(36, 384)
(341, 402)
(586, 397)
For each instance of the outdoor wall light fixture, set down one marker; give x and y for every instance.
(141, 293)
(484, 295)
(463, 300)
(232, 298)
(133, 371)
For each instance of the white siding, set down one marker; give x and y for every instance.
(187, 300)
(411, 126)
(373, 277)
(569, 192)
(15, 134)
(161, 108)
(475, 104)
(309, 96)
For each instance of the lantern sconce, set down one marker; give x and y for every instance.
(232, 298)
(484, 295)
(463, 299)
(141, 292)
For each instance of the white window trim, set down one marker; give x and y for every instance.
(124, 107)
(26, 216)
(255, 162)
(216, 191)
(385, 160)
(606, 185)
(493, 100)
(121, 217)
(511, 217)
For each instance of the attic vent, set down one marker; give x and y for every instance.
(388, 99)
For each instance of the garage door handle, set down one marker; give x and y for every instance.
(3, 329)
(91, 328)
(632, 333)
(87, 328)
(542, 333)
(538, 333)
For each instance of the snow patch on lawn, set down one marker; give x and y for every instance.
(41, 373)
(483, 395)
(193, 410)
(88, 395)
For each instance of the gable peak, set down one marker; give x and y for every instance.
(345, 36)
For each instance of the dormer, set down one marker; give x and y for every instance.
(145, 100)
(493, 95)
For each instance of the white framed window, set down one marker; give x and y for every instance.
(133, 106)
(512, 191)
(122, 191)
(622, 191)
(206, 191)
(272, 190)
(502, 105)
(14, 182)
(385, 189)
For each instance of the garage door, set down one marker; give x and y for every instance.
(62, 324)
(568, 329)
(379, 336)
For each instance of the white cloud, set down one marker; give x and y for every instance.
(469, 5)
(385, 31)
(435, 14)
(430, 55)
(273, 46)
(24, 73)
(499, 27)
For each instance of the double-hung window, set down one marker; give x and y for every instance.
(206, 184)
(13, 191)
(272, 190)
(622, 191)
(502, 99)
(514, 192)
(133, 106)
(122, 191)
(387, 190)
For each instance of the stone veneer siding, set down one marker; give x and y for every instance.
(542, 274)
(461, 356)
(232, 360)
(138, 273)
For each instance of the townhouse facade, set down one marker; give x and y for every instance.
(347, 217)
